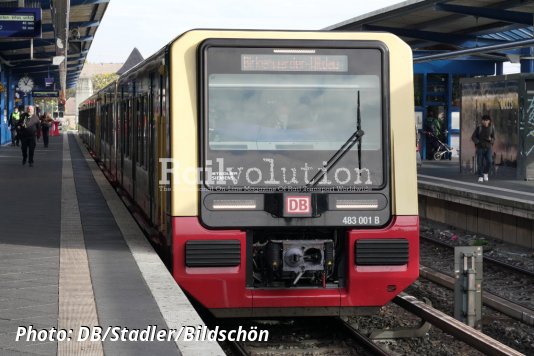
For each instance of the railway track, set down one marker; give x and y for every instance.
(491, 260)
(438, 319)
(448, 324)
(508, 282)
(491, 300)
(327, 335)
(367, 343)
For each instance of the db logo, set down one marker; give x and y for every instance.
(298, 205)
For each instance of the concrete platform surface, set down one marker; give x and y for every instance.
(72, 257)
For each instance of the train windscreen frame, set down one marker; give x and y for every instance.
(273, 113)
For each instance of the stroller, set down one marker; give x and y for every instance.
(442, 149)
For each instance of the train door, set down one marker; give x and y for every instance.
(150, 149)
(159, 147)
(98, 127)
(107, 140)
(166, 221)
(128, 129)
(120, 139)
(135, 143)
(142, 191)
(123, 141)
(109, 132)
(113, 138)
(103, 130)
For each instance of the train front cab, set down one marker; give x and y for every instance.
(241, 252)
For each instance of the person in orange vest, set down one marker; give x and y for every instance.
(12, 123)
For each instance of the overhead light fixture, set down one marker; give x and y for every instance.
(57, 60)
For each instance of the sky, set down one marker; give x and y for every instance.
(151, 24)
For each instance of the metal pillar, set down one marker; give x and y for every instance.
(468, 285)
(499, 68)
(60, 19)
(527, 60)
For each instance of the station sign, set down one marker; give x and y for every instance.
(20, 22)
(45, 94)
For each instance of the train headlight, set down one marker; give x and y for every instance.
(231, 202)
(234, 204)
(356, 204)
(357, 201)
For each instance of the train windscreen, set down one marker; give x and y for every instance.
(274, 117)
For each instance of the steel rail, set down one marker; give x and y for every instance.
(448, 324)
(493, 301)
(486, 258)
(238, 348)
(509, 266)
(362, 340)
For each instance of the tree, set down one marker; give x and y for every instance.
(101, 80)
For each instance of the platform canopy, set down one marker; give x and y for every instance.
(68, 29)
(486, 29)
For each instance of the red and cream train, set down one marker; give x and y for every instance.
(277, 166)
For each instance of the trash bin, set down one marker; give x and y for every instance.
(54, 130)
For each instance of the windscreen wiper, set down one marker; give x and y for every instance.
(346, 147)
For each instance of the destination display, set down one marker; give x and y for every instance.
(294, 63)
(45, 94)
(20, 22)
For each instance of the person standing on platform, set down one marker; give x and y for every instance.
(439, 127)
(431, 144)
(46, 122)
(439, 132)
(29, 125)
(12, 123)
(484, 137)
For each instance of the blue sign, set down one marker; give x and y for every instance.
(20, 22)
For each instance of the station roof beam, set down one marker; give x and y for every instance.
(437, 37)
(515, 17)
(454, 25)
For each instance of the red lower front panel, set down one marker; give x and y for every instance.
(224, 287)
(374, 286)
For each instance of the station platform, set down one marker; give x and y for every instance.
(502, 208)
(71, 255)
(502, 180)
